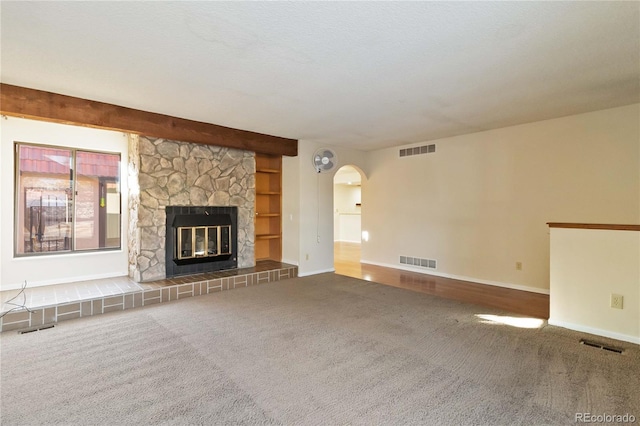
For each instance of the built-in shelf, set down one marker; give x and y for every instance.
(268, 207)
(267, 236)
(264, 170)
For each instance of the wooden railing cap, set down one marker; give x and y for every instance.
(604, 226)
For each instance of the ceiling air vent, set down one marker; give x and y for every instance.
(425, 149)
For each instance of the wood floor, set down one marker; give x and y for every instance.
(347, 262)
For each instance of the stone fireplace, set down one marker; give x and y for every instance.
(166, 175)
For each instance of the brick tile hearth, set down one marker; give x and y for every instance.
(52, 304)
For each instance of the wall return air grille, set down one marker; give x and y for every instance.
(416, 261)
(425, 149)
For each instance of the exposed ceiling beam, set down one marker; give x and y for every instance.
(22, 102)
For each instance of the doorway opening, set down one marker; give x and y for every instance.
(347, 220)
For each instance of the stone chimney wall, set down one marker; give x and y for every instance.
(172, 173)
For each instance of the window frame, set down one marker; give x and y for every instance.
(74, 188)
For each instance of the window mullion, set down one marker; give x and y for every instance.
(74, 195)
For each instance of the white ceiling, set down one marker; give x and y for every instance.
(360, 74)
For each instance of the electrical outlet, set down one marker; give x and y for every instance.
(307, 256)
(518, 266)
(616, 301)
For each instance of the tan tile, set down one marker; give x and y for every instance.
(128, 301)
(71, 307)
(49, 315)
(85, 309)
(165, 295)
(16, 316)
(153, 301)
(197, 289)
(184, 295)
(149, 286)
(173, 293)
(240, 281)
(88, 293)
(215, 285)
(128, 286)
(37, 317)
(137, 299)
(263, 277)
(114, 300)
(151, 294)
(112, 308)
(15, 325)
(13, 294)
(66, 291)
(69, 316)
(185, 288)
(110, 290)
(96, 307)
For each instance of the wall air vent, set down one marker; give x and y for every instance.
(416, 261)
(425, 149)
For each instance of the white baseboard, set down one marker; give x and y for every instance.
(461, 278)
(290, 262)
(348, 241)
(595, 331)
(306, 274)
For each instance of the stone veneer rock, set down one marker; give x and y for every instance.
(172, 173)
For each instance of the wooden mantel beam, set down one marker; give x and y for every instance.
(22, 102)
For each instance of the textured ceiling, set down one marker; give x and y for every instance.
(360, 74)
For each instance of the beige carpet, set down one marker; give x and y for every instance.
(324, 349)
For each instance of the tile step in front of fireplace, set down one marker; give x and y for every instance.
(52, 304)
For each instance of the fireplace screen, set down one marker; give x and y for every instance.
(203, 241)
(200, 239)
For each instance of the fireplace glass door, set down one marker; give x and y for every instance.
(200, 240)
(203, 241)
(185, 243)
(212, 241)
(225, 240)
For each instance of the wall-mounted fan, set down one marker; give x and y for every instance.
(324, 160)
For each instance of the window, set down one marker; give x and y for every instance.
(66, 200)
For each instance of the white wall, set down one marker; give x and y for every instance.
(587, 266)
(314, 202)
(481, 202)
(477, 205)
(58, 268)
(290, 210)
